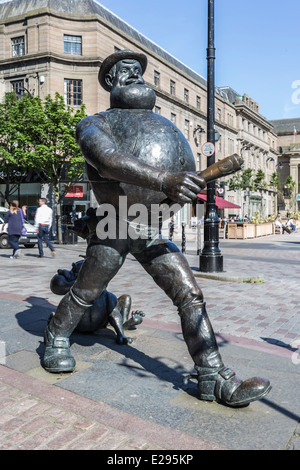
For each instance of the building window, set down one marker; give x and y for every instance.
(218, 114)
(18, 86)
(230, 119)
(172, 87)
(173, 118)
(157, 110)
(186, 95)
(187, 129)
(230, 146)
(156, 78)
(18, 46)
(198, 102)
(73, 92)
(72, 44)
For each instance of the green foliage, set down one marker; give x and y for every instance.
(56, 145)
(275, 181)
(246, 180)
(295, 215)
(259, 180)
(259, 219)
(13, 145)
(290, 183)
(39, 136)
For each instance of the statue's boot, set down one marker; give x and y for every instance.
(215, 381)
(57, 356)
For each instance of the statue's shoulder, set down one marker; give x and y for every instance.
(98, 120)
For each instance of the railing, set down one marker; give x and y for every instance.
(289, 148)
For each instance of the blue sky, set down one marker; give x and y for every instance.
(257, 44)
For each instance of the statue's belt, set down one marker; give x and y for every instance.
(140, 229)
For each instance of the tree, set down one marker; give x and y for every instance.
(259, 180)
(242, 180)
(246, 180)
(275, 182)
(41, 139)
(289, 185)
(289, 192)
(16, 159)
(55, 146)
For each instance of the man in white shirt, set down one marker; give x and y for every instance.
(42, 223)
(292, 223)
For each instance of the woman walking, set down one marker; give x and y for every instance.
(14, 220)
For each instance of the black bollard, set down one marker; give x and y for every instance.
(183, 247)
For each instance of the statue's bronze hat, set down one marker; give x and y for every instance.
(116, 57)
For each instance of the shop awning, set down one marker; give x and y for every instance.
(220, 202)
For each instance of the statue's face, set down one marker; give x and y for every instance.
(128, 89)
(128, 72)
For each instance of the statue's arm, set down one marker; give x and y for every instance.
(100, 151)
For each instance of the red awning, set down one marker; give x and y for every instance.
(220, 202)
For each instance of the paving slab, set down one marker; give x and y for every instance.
(133, 397)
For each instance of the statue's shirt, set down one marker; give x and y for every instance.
(150, 138)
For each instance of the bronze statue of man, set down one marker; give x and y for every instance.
(132, 151)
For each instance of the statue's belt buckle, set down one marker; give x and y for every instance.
(143, 230)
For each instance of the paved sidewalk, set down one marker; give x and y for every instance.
(133, 397)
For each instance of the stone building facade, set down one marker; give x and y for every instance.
(49, 46)
(288, 141)
(256, 141)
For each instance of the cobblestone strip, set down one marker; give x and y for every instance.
(27, 423)
(37, 416)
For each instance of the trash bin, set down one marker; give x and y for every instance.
(241, 230)
(232, 230)
(68, 237)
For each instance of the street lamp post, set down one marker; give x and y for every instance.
(211, 259)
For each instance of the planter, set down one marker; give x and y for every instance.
(264, 229)
(243, 230)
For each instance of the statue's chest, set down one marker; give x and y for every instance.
(152, 139)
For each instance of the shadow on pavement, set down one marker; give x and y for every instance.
(34, 320)
(279, 343)
(163, 366)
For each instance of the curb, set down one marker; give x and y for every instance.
(226, 277)
(112, 420)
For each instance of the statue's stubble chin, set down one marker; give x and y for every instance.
(134, 96)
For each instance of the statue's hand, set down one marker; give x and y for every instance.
(182, 187)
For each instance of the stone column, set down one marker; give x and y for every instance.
(294, 164)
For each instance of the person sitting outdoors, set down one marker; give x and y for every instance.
(278, 223)
(292, 224)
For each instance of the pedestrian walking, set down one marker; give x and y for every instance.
(15, 222)
(42, 223)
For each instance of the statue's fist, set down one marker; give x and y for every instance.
(182, 187)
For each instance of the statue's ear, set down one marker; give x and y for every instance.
(109, 80)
